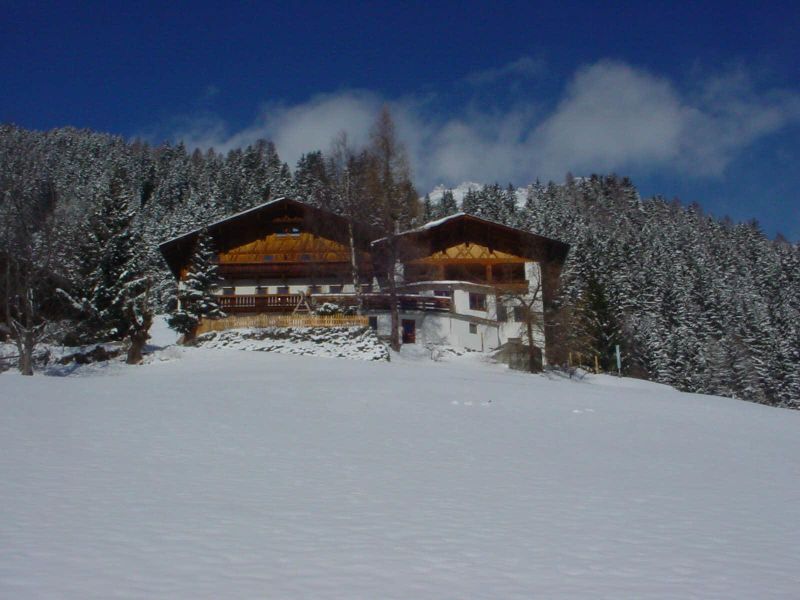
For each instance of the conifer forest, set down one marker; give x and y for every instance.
(693, 300)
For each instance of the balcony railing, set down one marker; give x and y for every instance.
(286, 303)
(408, 302)
(259, 303)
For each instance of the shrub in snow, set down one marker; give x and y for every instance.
(328, 308)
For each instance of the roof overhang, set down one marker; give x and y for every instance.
(250, 225)
(463, 228)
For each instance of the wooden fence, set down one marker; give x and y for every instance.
(271, 320)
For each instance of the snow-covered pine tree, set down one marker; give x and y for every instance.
(312, 182)
(508, 213)
(447, 205)
(112, 245)
(471, 202)
(195, 298)
(428, 212)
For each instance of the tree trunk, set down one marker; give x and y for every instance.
(394, 340)
(26, 343)
(190, 335)
(138, 340)
(139, 337)
(394, 310)
(26, 348)
(354, 269)
(531, 355)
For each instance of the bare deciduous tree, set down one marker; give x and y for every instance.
(26, 256)
(527, 307)
(396, 202)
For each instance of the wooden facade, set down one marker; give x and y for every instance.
(286, 257)
(279, 239)
(487, 252)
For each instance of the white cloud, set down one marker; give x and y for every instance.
(523, 67)
(610, 117)
(294, 129)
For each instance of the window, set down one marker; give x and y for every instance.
(519, 314)
(473, 328)
(262, 290)
(289, 230)
(336, 289)
(477, 301)
(283, 289)
(373, 323)
(315, 289)
(366, 288)
(228, 291)
(443, 293)
(502, 313)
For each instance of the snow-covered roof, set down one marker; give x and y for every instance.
(428, 225)
(431, 224)
(223, 220)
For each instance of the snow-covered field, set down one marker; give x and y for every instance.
(219, 474)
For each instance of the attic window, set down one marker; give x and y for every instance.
(289, 230)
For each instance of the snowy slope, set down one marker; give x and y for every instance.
(244, 474)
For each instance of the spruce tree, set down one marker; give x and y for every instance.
(195, 298)
(471, 202)
(447, 205)
(111, 248)
(428, 212)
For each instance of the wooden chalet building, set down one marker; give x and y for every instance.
(286, 256)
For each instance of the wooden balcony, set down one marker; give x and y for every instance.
(286, 303)
(259, 303)
(408, 302)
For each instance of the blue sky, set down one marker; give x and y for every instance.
(699, 101)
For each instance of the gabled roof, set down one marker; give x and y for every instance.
(461, 227)
(249, 225)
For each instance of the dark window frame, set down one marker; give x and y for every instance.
(477, 301)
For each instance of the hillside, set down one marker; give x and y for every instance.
(699, 303)
(229, 474)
